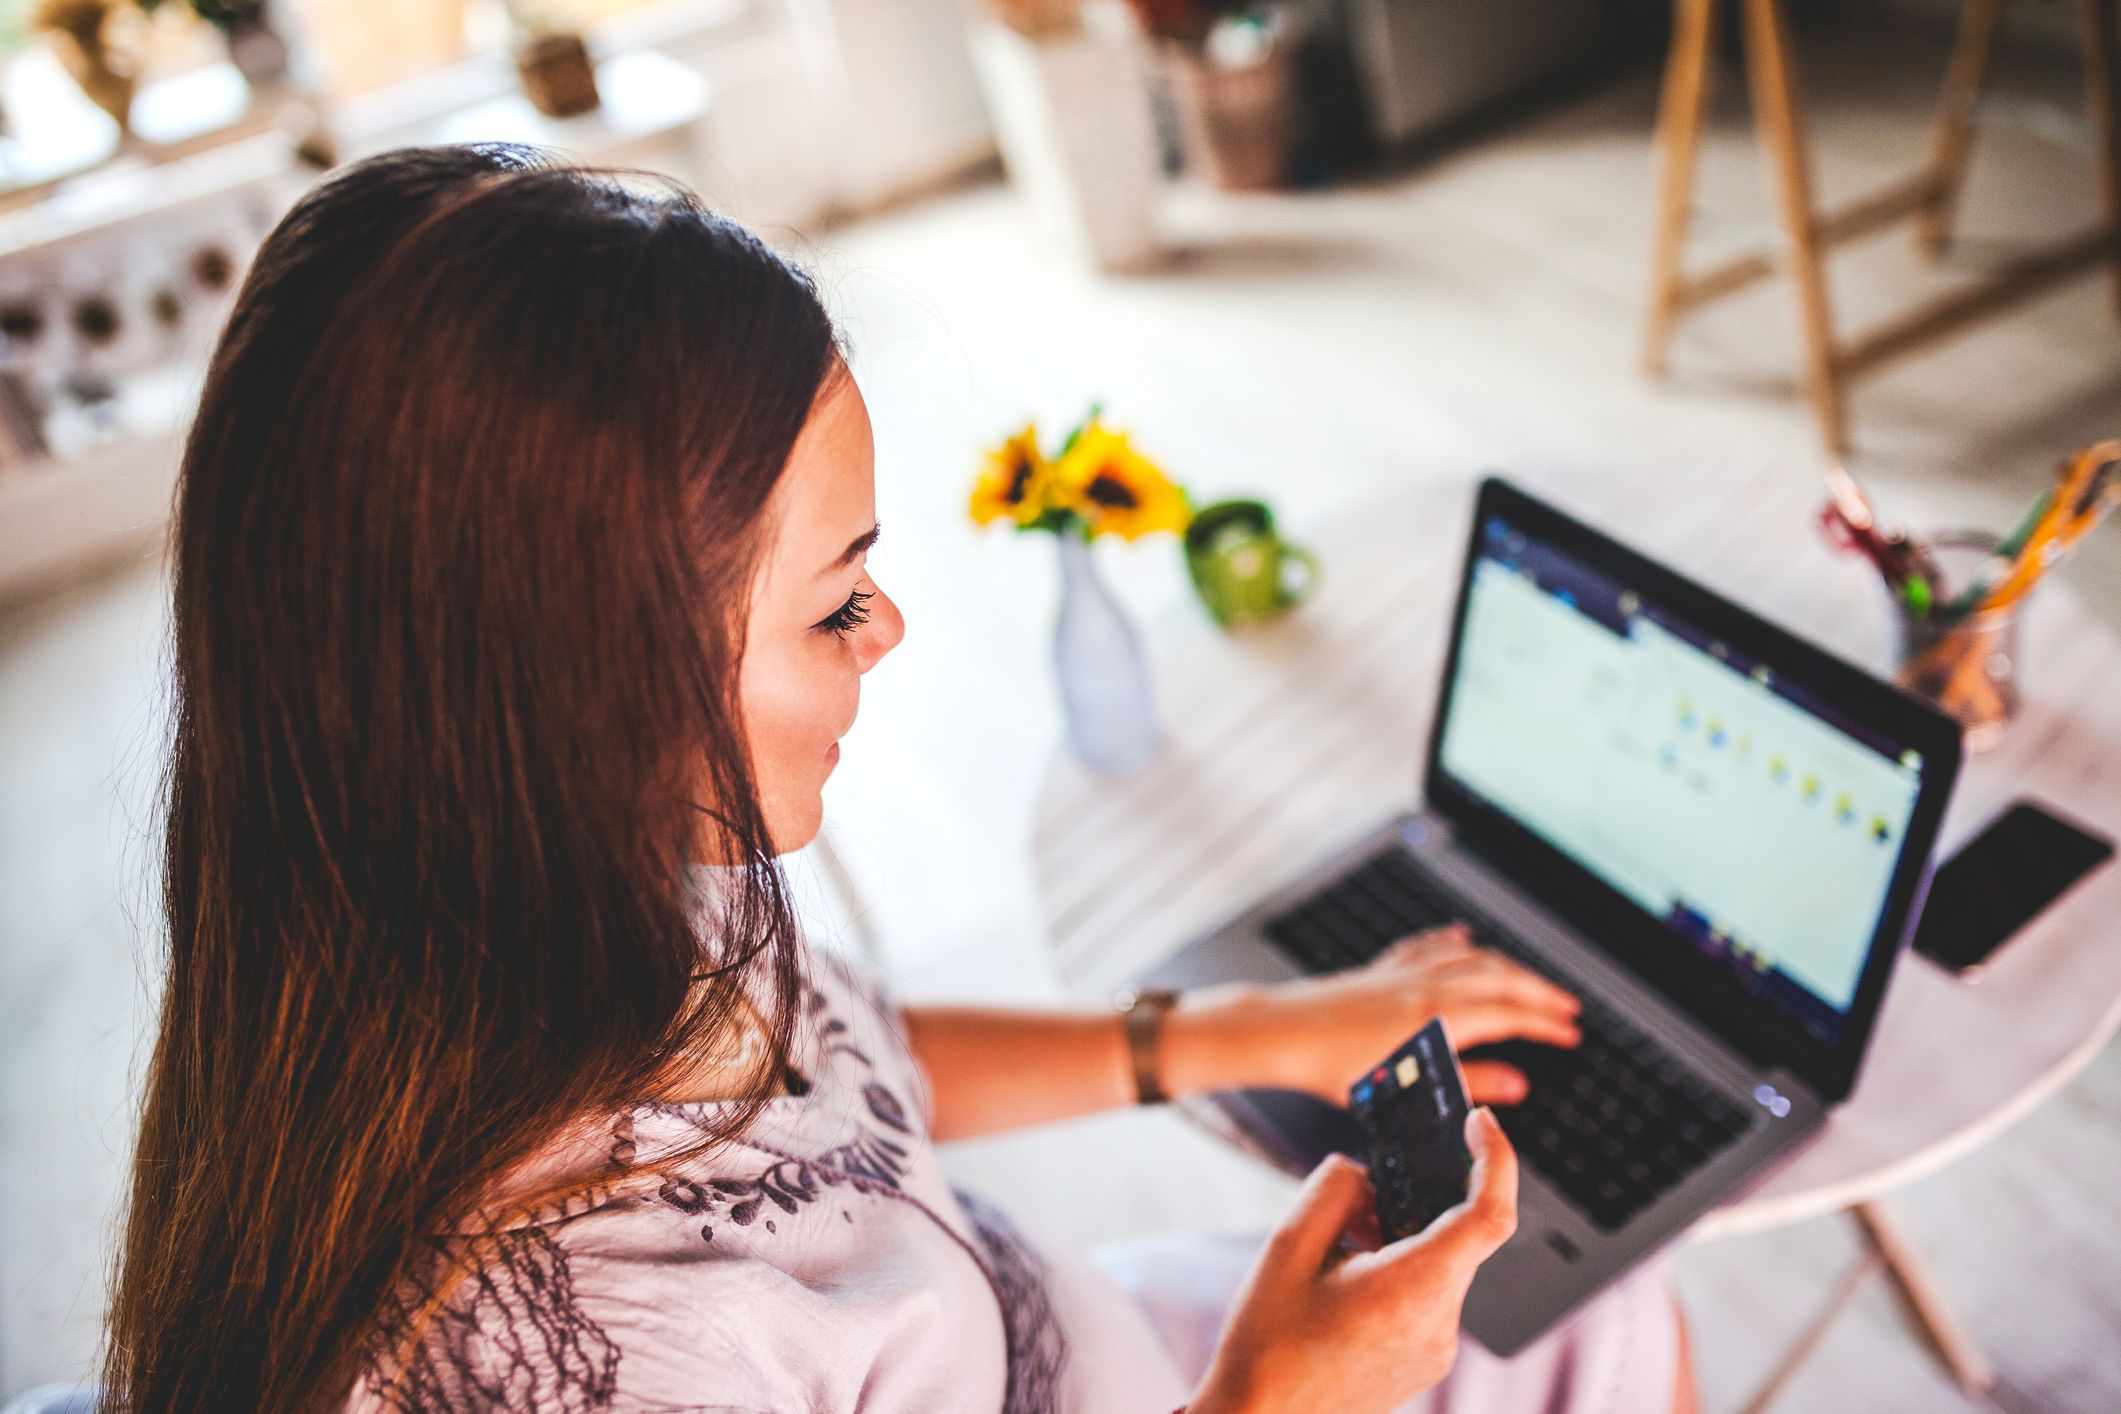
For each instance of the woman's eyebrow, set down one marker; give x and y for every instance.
(856, 548)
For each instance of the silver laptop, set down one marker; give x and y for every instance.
(1712, 832)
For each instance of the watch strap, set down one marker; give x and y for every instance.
(1143, 1014)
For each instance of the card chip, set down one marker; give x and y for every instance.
(1409, 1070)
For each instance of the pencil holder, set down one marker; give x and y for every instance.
(1968, 667)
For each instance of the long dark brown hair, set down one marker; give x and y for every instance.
(466, 526)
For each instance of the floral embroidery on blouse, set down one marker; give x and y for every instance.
(1038, 1346)
(512, 1335)
(864, 1164)
(872, 1159)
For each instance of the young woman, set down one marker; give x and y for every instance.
(521, 599)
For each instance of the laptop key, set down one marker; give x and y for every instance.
(1376, 921)
(1356, 939)
(1317, 948)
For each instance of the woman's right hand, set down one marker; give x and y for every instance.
(1311, 1329)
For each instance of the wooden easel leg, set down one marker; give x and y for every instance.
(1968, 1365)
(2099, 62)
(1952, 128)
(1686, 83)
(1779, 111)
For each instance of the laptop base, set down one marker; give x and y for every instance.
(1559, 1258)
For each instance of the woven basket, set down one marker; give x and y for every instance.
(1240, 124)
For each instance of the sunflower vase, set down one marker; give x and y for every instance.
(1098, 485)
(1105, 693)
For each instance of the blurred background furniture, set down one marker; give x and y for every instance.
(1929, 196)
(120, 246)
(1073, 117)
(1429, 64)
(1286, 740)
(649, 104)
(126, 274)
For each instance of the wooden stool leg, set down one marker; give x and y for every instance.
(1686, 83)
(1952, 128)
(2099, 61)
(1779, 111)
(1809, 1340)
(1968, 1364)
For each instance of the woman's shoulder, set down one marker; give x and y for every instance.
(849, 1093)
(754, 1278)
(580, 1317)
(762, 1266)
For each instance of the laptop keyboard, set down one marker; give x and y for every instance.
(1613, 1124)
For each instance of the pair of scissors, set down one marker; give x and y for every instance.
(1852, 526)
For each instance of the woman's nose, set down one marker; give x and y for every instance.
(887, 626)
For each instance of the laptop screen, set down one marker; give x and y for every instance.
(1756, 825)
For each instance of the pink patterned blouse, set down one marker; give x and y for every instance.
(823, 1264)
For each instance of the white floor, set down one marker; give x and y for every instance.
(1480, 311)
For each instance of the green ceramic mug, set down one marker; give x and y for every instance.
(1243, 571)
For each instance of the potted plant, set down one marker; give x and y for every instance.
(254, 45)
(99, 43)
(1233, 75)
(103, 44)
(552, 61)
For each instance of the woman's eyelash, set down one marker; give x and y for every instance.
(849, 616)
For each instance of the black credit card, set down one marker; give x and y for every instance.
(1413, 1108)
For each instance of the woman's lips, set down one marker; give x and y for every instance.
(832, 755)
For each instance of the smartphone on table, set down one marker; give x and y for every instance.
(2022, 861)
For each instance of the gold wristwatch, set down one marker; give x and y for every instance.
(1143, 1015)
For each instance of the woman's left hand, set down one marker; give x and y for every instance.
(1319, 1034)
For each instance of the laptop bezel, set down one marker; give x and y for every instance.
(1696, 984)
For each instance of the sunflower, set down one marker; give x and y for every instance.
(1116, 489)
(1013, 481)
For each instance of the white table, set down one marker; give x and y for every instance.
(1285, 742)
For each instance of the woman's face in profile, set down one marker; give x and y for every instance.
(818, 621)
